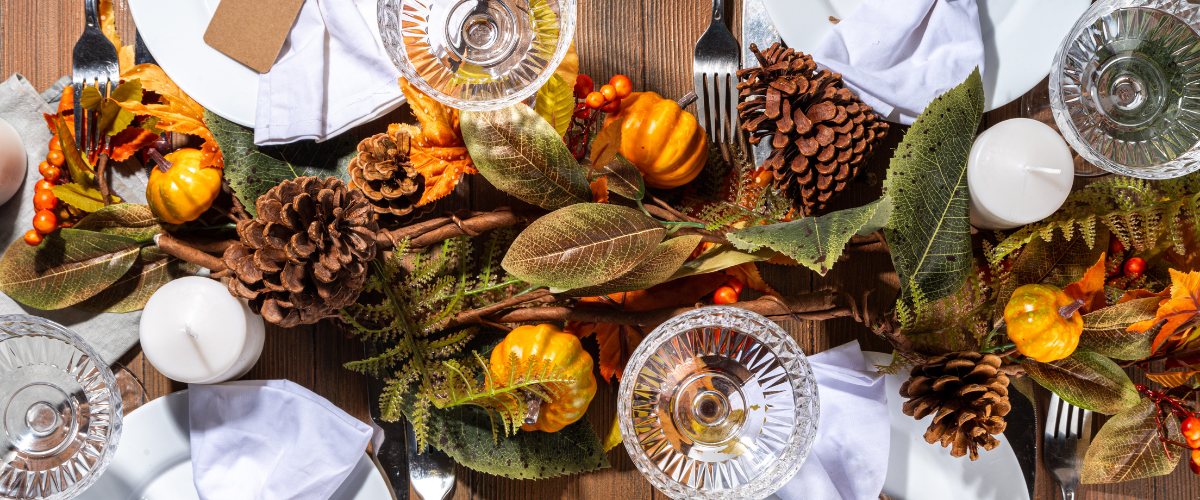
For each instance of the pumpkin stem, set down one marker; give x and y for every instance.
(1069, 310)
(687, 100)
(533, 405)
(163, 164)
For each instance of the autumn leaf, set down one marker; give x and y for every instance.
(439, 123)
(1173, 378)
(617, 342)
(130, 141)
(436, 148)
(1180, 311)
(175, 111)
(748, 274)
(1089, 288)
(1142, 294)
(600, 190)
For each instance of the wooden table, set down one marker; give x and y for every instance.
(651, 41)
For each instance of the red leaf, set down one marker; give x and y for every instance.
(131, 140)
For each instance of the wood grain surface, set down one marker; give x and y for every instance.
(651, 41)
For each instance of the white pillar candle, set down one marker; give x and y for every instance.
(1020, 171)
(194, 331)
(12, 161)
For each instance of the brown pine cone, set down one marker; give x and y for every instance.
(306, 254)
(968, 397)
(383, 173)
(822, 133)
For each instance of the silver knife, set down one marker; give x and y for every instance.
(1021, 431)
(757, 29)
(390, 452)
(141, 54)
(431, 471)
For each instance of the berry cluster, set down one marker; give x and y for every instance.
(590, 105)
(728, 293)
(1190, 426)
(45, 221)
(1123, 271)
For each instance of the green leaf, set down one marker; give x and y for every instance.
(930, 234)
(1127, 447)
(657, 268)
(556, 103)
(252, 170)
(123, 219)
(465, 433)
(69, 266)
(1104, 331)
(582, 245)
(623, 178)
(720, 257)
(1087, 380)
(522, 155)
(78, 169)
(80, 196)
(113, 118)
(152, 269)
(816, 242)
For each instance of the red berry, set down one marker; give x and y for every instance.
(595, 100)
(612, 107)
(43, 185)
(33, 238)
(1194, 463)
(52, 174)
(609, 92)
(582, 114)
(1191, 431)
(622, 85)
(1134, 268)
(734, 283)
(44, 200)
(56, 158)
(583, 86)
(725, 295)
(45, 222)
(1115, 247)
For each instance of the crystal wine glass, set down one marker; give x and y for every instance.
(477, 54)
(718, 403)
(1125, 87)
(60, 411)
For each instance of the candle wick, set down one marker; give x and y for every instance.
(1044, 170)
(188, 330)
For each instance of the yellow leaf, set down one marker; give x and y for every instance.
(569, 68)
(1172, 379)
(614, 435)
(555, 103)
(108, 23)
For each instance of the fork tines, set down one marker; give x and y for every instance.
(1067, 421)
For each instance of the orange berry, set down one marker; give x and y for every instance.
(45, 222)
(734, 283)
(609, 92)
(622, 85)
(55, 144)
(43, 166)
(613, 106)
(33, 238)
(44, 200)
(595, 100)
(1194, 463)
(56, 158)
(1134, 267)
(51, 174)
(43, 185)
(725, 295)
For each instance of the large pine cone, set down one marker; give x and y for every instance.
(383, 173)
(968, 397)
(306, 254)
(822, 133)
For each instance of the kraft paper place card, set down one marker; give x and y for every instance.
(252, 31)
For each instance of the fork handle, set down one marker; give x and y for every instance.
(89, 11)
(718, 11)
(1068, 494)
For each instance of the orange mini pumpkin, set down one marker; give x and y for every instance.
(665, 142)
(180, 189)
(548, 344)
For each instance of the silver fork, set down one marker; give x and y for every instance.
(1068, 435)
(714, 69)
(93, 63)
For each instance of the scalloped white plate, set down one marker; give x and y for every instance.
(154, 460)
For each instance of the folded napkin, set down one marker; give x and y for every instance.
(270, 440)
(849, 458)
(898, 55)
(21, 106)
(331, 75)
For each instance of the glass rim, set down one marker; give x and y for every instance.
(566, 21)
(771, 336)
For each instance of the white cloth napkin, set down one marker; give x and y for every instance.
(331, 75)
(898, 55)
(849, 458)
(270, 440)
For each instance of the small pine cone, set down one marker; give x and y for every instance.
(822, 134)
(306, 255)
(383, 173)
(967, 396)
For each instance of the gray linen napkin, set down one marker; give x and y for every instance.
(21, 106)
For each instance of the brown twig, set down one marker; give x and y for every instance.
(102, 178)
(483, 313)
(814, 306)
(183, 251)
(1185, 352)
(433, 231)
(674, 216)
(208, 245)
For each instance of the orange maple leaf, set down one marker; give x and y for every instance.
(618, 341)
(600, 190)
(1179, 311)
(1090, 288)
(436, 148)
(129, 141)
(176, 112)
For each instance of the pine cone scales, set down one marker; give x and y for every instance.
(306, 254)
(967, 396)
(821, 132)
(383, 173)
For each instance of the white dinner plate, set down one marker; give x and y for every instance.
(174, 32)
(153, 460)
(1020, 37)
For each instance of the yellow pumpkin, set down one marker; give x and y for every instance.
(1043, 322)
(665, 142)
(180, 189)
(548, 344)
